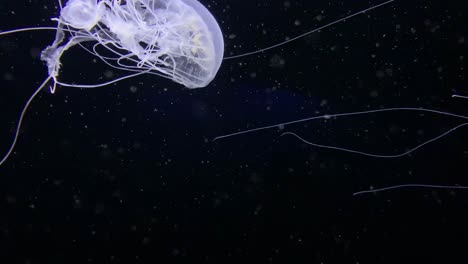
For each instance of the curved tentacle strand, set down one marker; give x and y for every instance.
(20, 120)
(308, 32)
(328, 116)
(387, 156)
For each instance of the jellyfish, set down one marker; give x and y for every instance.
(179, 40)
(175, 39)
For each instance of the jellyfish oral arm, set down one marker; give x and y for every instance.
(52, 54)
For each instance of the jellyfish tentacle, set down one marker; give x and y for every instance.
(20, 120)
(460, 96)
(2, 33)
(101, 84)
(449, 131)
(411, 185)
(308, 32)
(328, 116)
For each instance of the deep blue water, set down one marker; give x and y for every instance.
(130, 173)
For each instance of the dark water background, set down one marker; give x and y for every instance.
(129, 173)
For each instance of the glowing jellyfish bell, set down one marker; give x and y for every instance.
(175, 39)
(82, 14)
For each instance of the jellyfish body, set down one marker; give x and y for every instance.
(175, 39)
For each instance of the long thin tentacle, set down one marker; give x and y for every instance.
(20, 121)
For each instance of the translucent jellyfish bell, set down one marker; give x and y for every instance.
(175, 39)
(82, 14)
